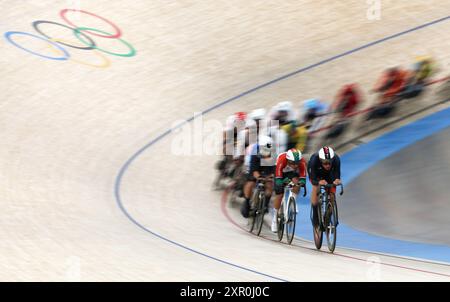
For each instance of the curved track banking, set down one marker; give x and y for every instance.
(129, 162)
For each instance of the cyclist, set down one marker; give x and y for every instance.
(391, 83)
(313, 113)
(290, 165)
(344, 107)
(234, 124)
(282, 112)
(259, 117)
(347, 101)
(421, 71)
(423, 68)
(254, 127)
(230, 160)
(297, 135)
(279, 137)
(324, 167)
(260, 163)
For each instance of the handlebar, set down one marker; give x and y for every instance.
(292, 184)
(261, 181)
(264, 179)
(328, 186)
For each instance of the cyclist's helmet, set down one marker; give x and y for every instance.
(236, 120)
(349, 89)
(284, 106)
(311, 104)
(265, 144)
(258, 114)
(423, 63)
(326, 154)
(423, 59)
(240, 116)
(293, 156)
(393, 72)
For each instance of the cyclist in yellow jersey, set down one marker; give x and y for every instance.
(423, 68)
(297, 135)
(421, 71)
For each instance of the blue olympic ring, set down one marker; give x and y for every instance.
(65, 52)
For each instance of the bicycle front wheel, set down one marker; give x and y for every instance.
(317, 229)
(280, 222)
(291, 219)
(331, 227)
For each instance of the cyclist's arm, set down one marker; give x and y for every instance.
(281, 164)
(337, 168)
(312, 171)
(255, 165)
(302, 171)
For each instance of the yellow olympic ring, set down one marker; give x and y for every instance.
(106, 62)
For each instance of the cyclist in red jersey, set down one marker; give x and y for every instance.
(292, 166)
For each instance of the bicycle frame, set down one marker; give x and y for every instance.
(325, 198)
(258, 209)
(287, 195)
(328, 222)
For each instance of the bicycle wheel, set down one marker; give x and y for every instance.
(259, 215)
(290, 220)
(251, 217)
(280, 222)
(317, 230)
(331, 228)
(318, 236)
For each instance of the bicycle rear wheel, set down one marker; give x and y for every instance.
(291, 219)
(331, 227)
(251, 218)
(260, 211)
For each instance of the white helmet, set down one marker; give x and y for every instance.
(258, 114)
(284, 106)
(265, 144)
(294, 155)
(326, 154)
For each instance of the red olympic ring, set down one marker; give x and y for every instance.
(118, 33)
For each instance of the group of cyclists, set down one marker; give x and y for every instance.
(271, 145)
(289, 166)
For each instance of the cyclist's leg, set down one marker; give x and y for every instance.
(314, 203)
(314, 195)
(279, 190)
(269, 191)
(269, 173)
(249, 187)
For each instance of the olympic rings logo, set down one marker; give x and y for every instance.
(83, 34)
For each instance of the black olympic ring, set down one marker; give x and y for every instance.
(91, 42)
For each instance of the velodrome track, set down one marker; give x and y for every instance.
(90, 188)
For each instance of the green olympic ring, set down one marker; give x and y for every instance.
(78, 33)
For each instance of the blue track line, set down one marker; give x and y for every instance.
(127, 164)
